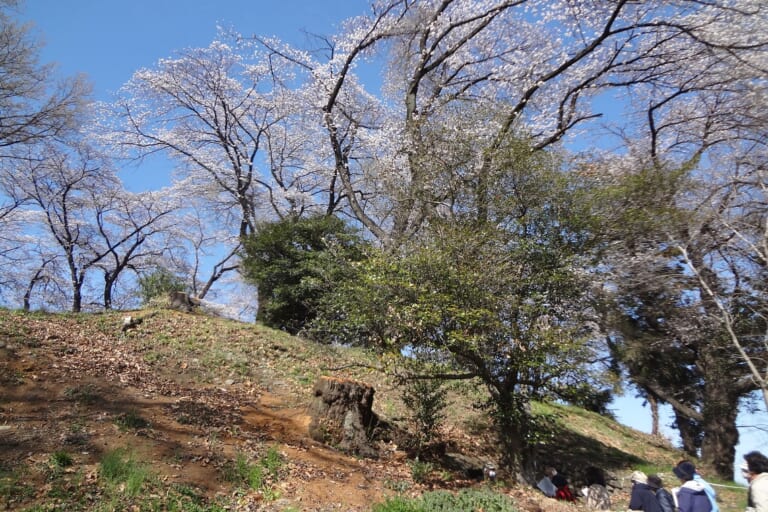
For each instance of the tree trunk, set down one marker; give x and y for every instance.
(109, 283)
(655, 431)
(77, 299)
(690, 433)
(718, 448)
(342, 415)
(512, 421)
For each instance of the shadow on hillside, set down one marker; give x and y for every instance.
(572, 453)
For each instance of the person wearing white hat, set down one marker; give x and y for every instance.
(643, 496)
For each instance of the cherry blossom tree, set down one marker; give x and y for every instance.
(465, 77)
(227, 119)
(74, 202)
(261, 129)
(32, 106)
(125, 225)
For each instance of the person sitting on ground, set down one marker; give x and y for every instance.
(642, 496)
(663, 496)
(545, 484)
(711, 494)
(755, 471)
(563, 491)
(596, 491)
(691, 496)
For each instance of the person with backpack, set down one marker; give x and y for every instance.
(708, 489)
(545, 484)
(663, 496)
(563, 492)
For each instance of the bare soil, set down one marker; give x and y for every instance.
(67, 386)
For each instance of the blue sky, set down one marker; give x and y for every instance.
(109, 40)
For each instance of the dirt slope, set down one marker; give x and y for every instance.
(188, 396)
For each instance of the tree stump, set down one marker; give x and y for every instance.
(342, 416)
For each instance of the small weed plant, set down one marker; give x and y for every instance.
(468, 499)
(61, 459)
(399, 486)
(258, 476)
(120, 468)
(85, 394)
(420, 470)
(131, 420)
(427, 402)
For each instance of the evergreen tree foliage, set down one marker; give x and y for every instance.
(665, 330)
(158, 283)
(295, 262)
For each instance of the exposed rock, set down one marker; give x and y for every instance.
(471, 467)
(130, 322)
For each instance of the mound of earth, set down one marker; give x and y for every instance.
(92, 392)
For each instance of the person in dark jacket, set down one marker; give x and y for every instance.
(692, 495)
(711, 494)
(563, 491)
(642, 497)
(663, 496)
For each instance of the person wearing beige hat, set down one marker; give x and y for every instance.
(643, 496)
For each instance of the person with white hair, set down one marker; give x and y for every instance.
(545, 484)
(643, 496)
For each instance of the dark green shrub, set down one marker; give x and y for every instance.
(159, 283)
(294, 263)
(426, 399)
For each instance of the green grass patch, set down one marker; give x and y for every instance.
(120, 468)
(467, 499)
(259, 475)
(131, 420)
(13, 487)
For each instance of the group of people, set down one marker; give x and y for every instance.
(595, 491)
(694, 494)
